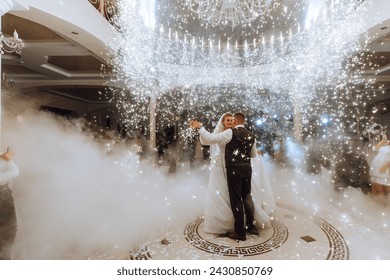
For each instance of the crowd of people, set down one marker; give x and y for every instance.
(352, 164)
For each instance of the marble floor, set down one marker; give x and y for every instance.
(292, 234)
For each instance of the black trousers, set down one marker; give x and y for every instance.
(7, 224)
(239, 185)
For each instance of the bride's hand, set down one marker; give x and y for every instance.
(384, 167)
(8, 155)
(382, 143)
(195, 124)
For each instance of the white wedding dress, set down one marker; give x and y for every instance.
(218, 216)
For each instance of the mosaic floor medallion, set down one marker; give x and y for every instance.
(326, 239)
(292, 235)
(226, 247)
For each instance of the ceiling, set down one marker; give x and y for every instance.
(280, 16)
(52, 62)
(60, 65)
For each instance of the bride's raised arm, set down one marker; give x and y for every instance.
(207, 138)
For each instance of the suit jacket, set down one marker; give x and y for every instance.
(241, 148)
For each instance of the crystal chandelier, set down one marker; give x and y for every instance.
(10, 44)
(224, 13)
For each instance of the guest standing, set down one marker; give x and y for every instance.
(8, 171)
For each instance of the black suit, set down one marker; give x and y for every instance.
(239, 174)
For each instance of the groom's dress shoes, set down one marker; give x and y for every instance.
(234, 235)
(222, 235)
(253, 231)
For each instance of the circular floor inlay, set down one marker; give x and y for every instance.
(275, 236)
(223, 246)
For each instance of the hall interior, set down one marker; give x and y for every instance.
(93, 77)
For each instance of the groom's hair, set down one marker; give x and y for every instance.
(239, 117)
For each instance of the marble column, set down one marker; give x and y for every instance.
(152, 125)
(297, 122)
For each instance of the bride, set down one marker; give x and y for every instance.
(218, 216)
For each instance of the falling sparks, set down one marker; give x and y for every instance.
(303, 68)
(315, 67)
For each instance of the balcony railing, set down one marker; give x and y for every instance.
(108, 8)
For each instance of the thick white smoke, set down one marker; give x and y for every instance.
(74, 200)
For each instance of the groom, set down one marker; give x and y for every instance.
(240, 147)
